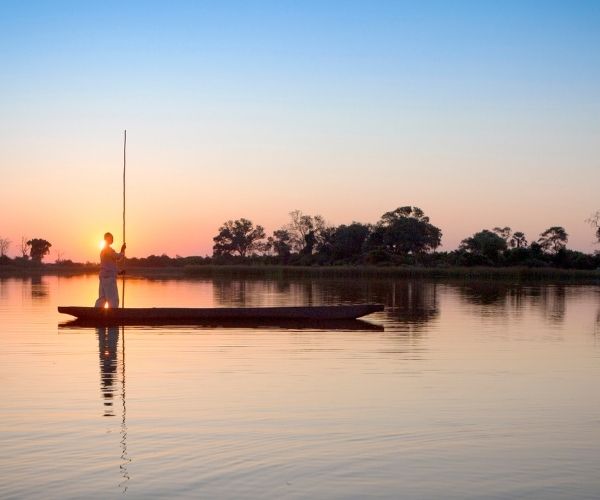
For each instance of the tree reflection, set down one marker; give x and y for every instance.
(407, 302)
(497, 298)
(268, 292)
(488, 293)
(39, 288)
(412, 302)
(555, 303)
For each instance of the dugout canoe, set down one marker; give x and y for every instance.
(150, 315)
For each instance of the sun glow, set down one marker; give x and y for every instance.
(101, 245)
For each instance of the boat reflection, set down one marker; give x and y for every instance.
(251, 324)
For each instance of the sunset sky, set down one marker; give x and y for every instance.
(481, 113)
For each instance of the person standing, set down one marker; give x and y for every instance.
(108, 291)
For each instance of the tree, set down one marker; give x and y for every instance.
(348, 241)
(281, 242)
(553, 239)
(60, 257)
(407, 230)
(324, 239)
(38, 248)
(485, 243)
(4, 245)
(518, 240)
(307, 232)
(24, 247)
(503, 232)
(594, 221)
(239, 236)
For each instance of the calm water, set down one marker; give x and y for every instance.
(455, 391)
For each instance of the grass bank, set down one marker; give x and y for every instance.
(454, 273)
(24, 271)
(513, 274)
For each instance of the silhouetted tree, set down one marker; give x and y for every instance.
(594, 221)
(536, 250)
(347, 241)
(4, 246)
(281, 242)
(518, 240)
(324, 239)
(307, 232)
(406, 230)
(24, 247)
(572, 259)
(310, 240)
(38, 248)
(553, 239)
(503, 232)
(239, 236)
(60, 257)
(485, 243)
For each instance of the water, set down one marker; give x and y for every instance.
(455, 391)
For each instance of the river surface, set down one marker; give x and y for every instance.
(466, 390)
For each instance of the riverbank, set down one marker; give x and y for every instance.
(514, 274)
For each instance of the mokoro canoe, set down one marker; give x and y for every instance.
(150, 315)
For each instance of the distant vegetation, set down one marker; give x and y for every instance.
(404, 237)
(32, 251)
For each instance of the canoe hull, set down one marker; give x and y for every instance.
(150, 315)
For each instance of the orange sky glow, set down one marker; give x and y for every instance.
(323, 114)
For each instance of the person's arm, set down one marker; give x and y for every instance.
(118, 256)
(121, 254)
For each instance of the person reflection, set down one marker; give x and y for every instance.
(108, 340)
(108, 343)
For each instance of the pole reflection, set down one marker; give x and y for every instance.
(112, 386)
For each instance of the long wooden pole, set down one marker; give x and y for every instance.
(124, 457)
(124, 167)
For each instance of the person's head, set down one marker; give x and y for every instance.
(108, 238)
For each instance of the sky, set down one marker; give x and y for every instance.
(481, 113)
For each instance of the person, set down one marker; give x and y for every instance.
(108, 291)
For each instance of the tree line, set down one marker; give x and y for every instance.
(404, 236)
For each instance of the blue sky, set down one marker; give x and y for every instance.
(482, 113)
